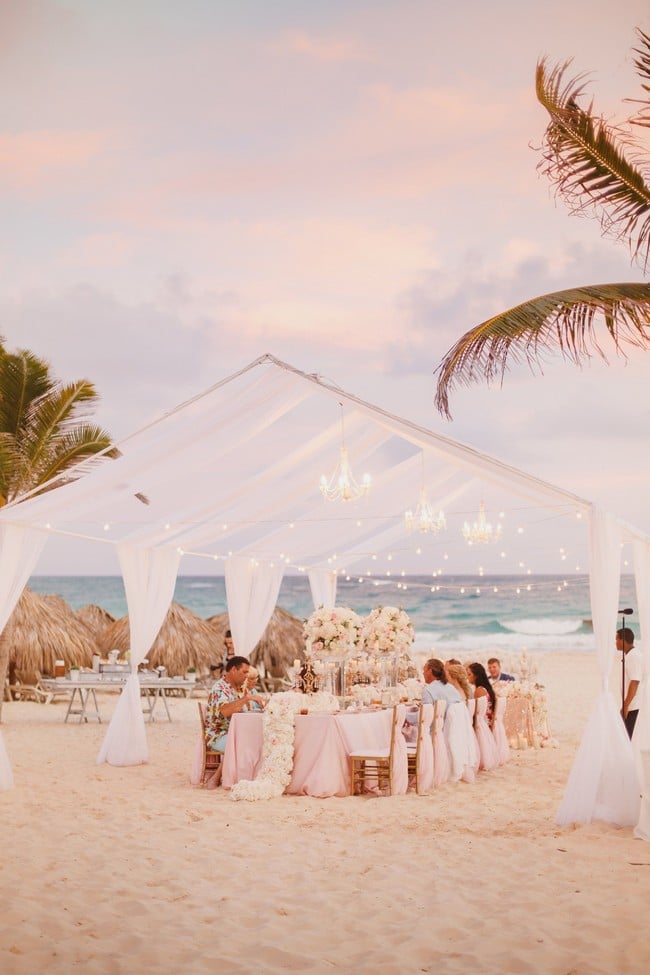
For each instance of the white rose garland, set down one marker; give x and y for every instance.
(278, 743)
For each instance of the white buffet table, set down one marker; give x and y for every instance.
(83, 692)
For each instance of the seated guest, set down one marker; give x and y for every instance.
(249, 686)
(457, 677)
(436, 687)
(227, 697)
(479, 680)
(495, 672)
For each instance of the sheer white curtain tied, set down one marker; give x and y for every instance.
(251, 591)
(149, 578)
(641, 736)
(322, 583)
(603, 782)
(20, 548)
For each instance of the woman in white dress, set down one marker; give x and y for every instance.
(485, 701)
(459, 731)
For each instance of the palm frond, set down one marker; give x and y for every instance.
(54, 415)
(82, 443)
(564, 321)
(583, 156)
(642, 64)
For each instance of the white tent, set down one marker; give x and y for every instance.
(233, 475)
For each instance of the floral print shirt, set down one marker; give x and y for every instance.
(216, 726)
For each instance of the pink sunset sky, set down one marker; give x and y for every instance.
(347, 185)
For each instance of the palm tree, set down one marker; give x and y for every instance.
(600, 170)
(43, 425)
(44, 431)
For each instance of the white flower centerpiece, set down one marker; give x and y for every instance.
(387, 632)
(387, 629)
(278, 743)
(331, 635)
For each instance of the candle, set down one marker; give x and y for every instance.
(296, 664)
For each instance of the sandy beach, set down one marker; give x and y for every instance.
(108, 870)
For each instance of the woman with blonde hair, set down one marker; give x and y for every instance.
(459, 732)
(457, 676)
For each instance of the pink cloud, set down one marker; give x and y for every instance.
(37, 159)
(328, 50)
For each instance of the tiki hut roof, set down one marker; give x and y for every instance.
(95, 617)
(43, 629)
(281, 643)
(184, 640)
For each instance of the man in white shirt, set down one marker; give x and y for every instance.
(633, 663)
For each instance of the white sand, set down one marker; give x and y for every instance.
(108, 870)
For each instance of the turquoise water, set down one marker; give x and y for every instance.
(463, 613)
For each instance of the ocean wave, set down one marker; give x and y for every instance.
(448, 644)
(545, 626)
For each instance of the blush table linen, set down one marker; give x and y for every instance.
(323, 742)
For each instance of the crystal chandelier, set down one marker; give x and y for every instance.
(342, 485)
(424, 518)
(481, 531)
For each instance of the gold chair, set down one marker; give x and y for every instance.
(424, 740)
(372, 769)
(211, 760)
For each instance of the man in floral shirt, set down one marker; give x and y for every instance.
(227, 697)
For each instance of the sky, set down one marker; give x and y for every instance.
(349, 186)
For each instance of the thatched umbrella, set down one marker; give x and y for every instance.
(184, 640)
(282, 642)
(43, 629)
(95, 617)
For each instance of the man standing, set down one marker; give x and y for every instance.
(229, 647)
(633, 662)
(227, 697)
(495, 672)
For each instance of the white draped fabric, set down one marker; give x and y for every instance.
(149, 578)
(641, 736)
(322, 583)
(603, 782)
(251, 591)
(20, 548)
(461, 743)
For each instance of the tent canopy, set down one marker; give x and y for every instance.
(234, 474)
(236, 470)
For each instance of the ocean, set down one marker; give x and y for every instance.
(450, 614)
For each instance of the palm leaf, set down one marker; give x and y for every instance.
(564, 320)
(642, 64)
(584, 157)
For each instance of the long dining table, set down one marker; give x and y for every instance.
(322, 747)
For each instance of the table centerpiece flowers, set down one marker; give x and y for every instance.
(278, 743)
(387, 629)
(331, 632)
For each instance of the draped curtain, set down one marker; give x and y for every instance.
(603, 783)
(641, 736)
(20, 548)
(322, 583)
(149, 578)
(251, 593)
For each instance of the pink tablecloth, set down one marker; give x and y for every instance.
(321, 765)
